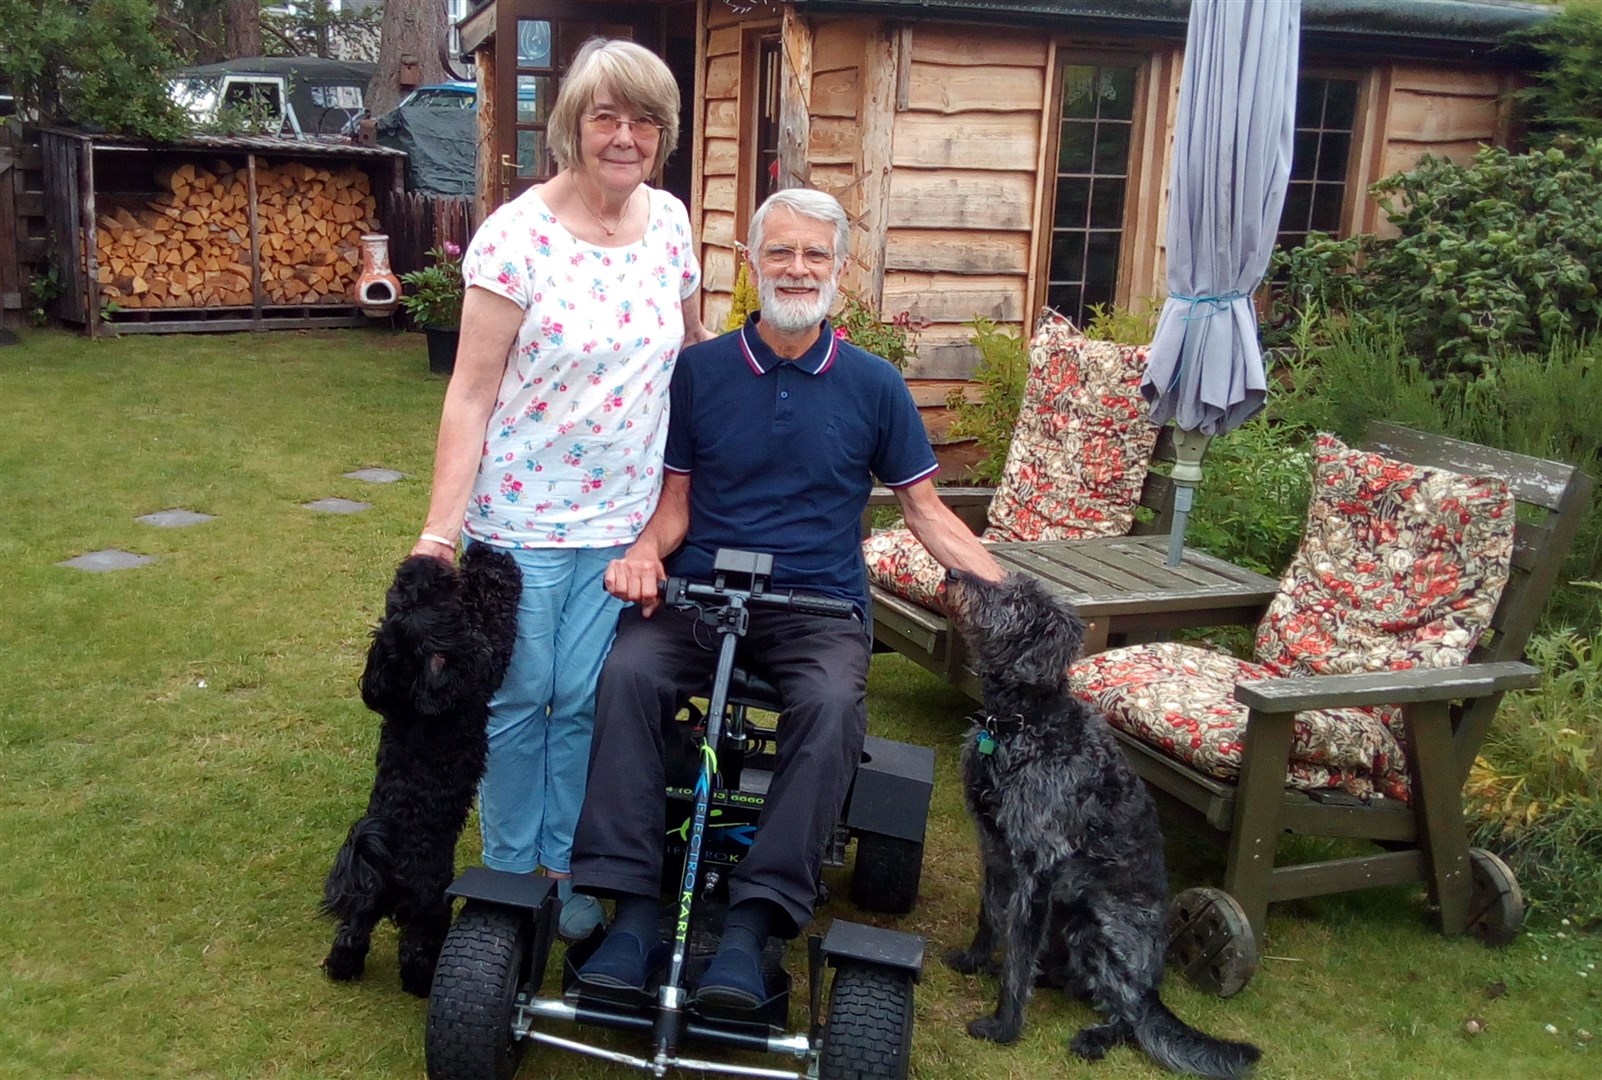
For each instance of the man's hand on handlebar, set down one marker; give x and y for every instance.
(634, 578)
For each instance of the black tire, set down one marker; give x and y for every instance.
(869, 1030)
(887, 873)
(484, 961)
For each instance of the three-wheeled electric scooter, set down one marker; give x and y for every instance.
(485, 1005)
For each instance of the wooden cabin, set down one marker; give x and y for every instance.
(994, 156)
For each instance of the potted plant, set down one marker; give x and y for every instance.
(434, 301)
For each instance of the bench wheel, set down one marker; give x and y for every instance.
(887, 872)
(484, 961)
(1496, 904)
(1211, 941)
(869, 1031)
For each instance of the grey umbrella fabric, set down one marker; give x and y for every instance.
(1232, 158)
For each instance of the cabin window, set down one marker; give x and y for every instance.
(1326, 116)
(769, 75)
(1097, 120)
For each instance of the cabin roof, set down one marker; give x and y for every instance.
(1410, 28)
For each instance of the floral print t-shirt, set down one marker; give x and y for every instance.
(573, 453)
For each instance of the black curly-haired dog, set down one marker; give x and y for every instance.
(437, 657)
(1074, 889)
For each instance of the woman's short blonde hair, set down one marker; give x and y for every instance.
(635, 74)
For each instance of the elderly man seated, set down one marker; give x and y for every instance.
(776, 434)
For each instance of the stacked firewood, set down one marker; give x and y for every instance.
(190, 245)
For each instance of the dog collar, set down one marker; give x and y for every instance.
(993, 728)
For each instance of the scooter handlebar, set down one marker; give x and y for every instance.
(679, 591)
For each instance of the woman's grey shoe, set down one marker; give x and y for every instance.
(581, 914)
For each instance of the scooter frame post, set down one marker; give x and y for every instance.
(732, 622)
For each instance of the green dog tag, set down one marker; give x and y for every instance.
(987, 743)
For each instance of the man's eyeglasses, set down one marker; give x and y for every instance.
(607, 123)
(814, 258)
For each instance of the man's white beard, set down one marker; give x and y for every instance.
(791, 315)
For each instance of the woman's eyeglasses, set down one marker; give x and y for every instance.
(607, 123)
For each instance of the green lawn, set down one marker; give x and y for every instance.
(182, 748)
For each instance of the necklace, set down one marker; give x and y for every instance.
(599, 220)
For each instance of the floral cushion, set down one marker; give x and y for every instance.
(1075, 467)
(1180, 700)
(1400, 566)
(1079, 452)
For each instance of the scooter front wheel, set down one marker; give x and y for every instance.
(484, 961)
(869, 1030)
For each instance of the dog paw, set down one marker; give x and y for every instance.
(342, 965)
(993, 1029)
(1088, 1046)
(970, 963)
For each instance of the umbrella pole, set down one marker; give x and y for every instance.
(1189, 449)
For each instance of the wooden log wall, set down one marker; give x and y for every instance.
(717, 149)
(23, 231)
(1423, 109)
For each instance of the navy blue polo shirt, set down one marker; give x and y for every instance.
(782, 454)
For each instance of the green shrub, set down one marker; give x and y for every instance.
(1253, 496)
(1535, 793)
(1567, 96)
(1500, 255)
(1126, 326)
(1003, 369)
(895, 339)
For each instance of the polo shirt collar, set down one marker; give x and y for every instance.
(815, 361)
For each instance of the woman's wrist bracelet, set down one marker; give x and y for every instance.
(435, 538)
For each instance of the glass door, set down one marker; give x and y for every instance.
(534, 43)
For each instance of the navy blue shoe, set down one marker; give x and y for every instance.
(623, 962)
(732, 980)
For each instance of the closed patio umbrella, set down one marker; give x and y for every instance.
(1232, 157)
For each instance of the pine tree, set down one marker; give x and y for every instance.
(745, 299)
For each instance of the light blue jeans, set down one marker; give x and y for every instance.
(541, 719)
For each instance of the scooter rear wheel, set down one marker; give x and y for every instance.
(485, 959)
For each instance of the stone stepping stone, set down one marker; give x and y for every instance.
(338, 506)
(175, 519)
(376, 476)
(99, 562)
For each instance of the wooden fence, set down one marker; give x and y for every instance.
(416, 222)
(22, 226)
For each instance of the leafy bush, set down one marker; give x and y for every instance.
(1535, 793)
(744, 300)
(436, 296)
(1003, 369)
(97, 63)
(1253, 496)
(1503, 254)
(1567, 96)
(1126, 326)
(896, 340)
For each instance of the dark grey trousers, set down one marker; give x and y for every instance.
(820, 666)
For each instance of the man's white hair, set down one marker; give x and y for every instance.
(805, 202)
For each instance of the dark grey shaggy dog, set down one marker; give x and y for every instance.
(1074, 888)
(437, 657)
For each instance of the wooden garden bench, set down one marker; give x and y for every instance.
(1445, 711)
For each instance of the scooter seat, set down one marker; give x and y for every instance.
(747, 687)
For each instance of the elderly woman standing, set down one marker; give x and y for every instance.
(580, 294)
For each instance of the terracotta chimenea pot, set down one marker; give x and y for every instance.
(377, 290)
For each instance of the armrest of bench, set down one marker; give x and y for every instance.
(971, 504)
(1296, 693)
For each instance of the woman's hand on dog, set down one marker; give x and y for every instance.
(634, 578)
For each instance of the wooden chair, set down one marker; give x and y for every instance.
(1081, 400)
(1445, 714)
